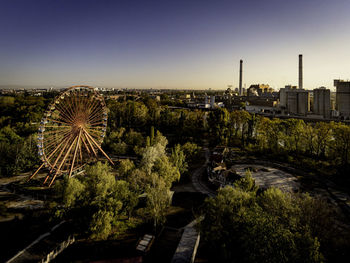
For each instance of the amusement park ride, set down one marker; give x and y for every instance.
(71, 132)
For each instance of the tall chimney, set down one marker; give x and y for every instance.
(300, 71)
(240, 77)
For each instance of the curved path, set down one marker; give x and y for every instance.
(197, 182)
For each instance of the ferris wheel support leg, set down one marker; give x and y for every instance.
(98, 146)
(87, 136)
(41, 166)
(62, 162)
(47, 177)
(75, 154)
(87, 148)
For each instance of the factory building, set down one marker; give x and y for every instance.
(343, 98)
(298, 101)
(322, 102)
(283, 95)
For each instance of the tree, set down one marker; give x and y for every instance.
(218, 126)
(341, 143)
(242, 226)
(158, 200)
(125, 168)
(178, 158)
(294, 130)
(323, 135)
(96, 201)
(191, 151)
(247, 183)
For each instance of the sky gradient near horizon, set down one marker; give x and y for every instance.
(173, 44)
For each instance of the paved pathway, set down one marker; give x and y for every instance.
(266, 177)
(197, 182)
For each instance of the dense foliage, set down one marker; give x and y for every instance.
(103, 203)
(319, 141)
(240, 225)
(20, 116)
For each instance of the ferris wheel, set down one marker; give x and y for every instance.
(72, 131)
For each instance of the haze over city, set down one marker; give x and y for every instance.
(173, 44)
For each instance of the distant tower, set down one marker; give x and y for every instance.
(300, 86)
(212, 101)
(240, 77)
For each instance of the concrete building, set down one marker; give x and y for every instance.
(298, 101)
(322, 102)
(283, 95)
(343, 98)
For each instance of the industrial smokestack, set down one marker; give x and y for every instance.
(300, 71)
(240, 77)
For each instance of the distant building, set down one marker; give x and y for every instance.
(298, 101)
(343, 97)
(212, 101)
(295, 101)
(322, 102)
(283, 95)
(261, 105)
(262, 90)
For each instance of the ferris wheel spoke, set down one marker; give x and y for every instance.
(63, 109)
(48, 132)
(94, 103)
(52, 141)
(95, 135)
(61, 126)
(65, 117)
(69, 108)
(86, 103)
(95, 118)
(58, 121)
(58, 143)
(95, 110)
(64, 113)
(94, 128)
(96, 123)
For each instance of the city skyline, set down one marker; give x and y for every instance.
(166, 44)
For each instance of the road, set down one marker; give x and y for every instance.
(197, 181)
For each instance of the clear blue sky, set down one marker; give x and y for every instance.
(173, 44)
